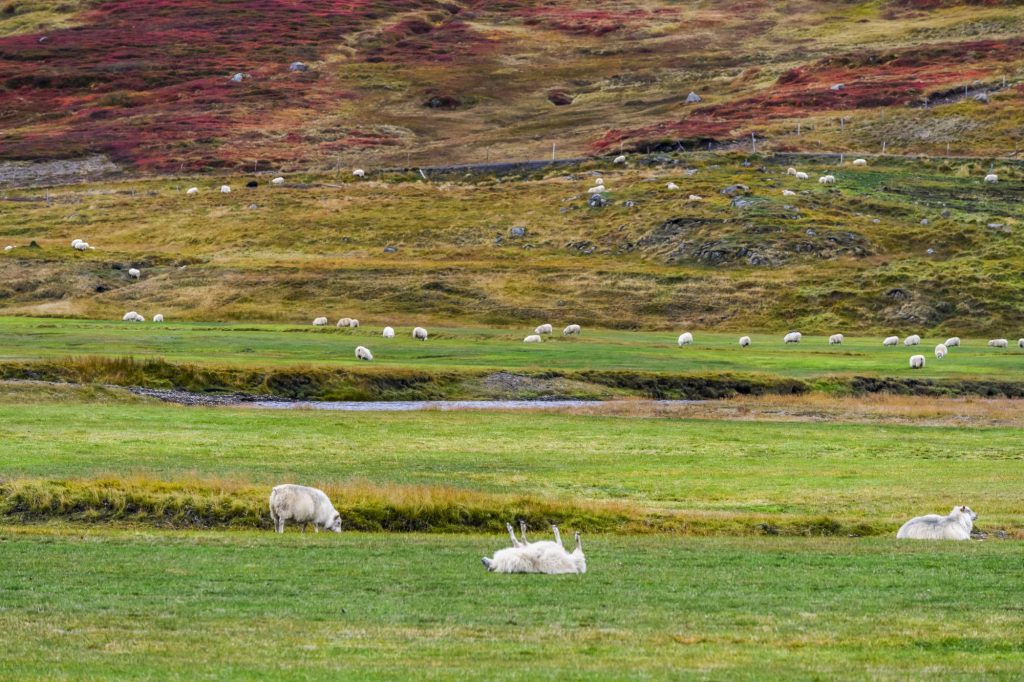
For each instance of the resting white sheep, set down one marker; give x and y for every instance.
(597, 189)
(543, 329)
(836, 340)
(359, 173)
(891, 341)
(8, 248)
(941, 351)
(619, 159)
(912, 340)
(801, 176)
(277, 181)
(827, 180)
(860, 162)
(744, 341)
(320, 322)
(419, 333)
(302, 504)
(533, 338)
(696, 197)
(952, 341)
(956, 526)
(344, 322)
(363, 353)
(916, 361)
(999, 343)
(992, 178)
(792, 337)
(685, 339)
(80, 245)
(388, 333)
(133, 316)
(158, 317)
(134, 273)
(788, 193)
(225, 189)
(791, 171)
(192, 191)
(571, 330)
(672, 186)
(537, 557)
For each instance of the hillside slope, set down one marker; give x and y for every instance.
(148, 83)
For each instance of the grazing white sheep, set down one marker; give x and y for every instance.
(999, 343)
(672, 186)
(956, 526)
(891, 341)
(792, 337)
(8, 249)
(533, 338)
(302, 504)
(225, 189)
(192, 191)
(134, 273)
(952, 341)
(354, 323)
(538, 557)
(791, 171)
(277, 181)
(359, 173)
(912, 340)
(860, 162)
(685, 339)
(916, 361)
(133, 316)
(836, 340)
(619, 159)
(344, 322)
(1020, 343)
(827, 180)
(744, 341)
(419, 333)
(992, 178)
(79, 245)
(320, 322)
(543, 329)
(363, 353)
(801, 175)
(788, 193)
(941, 351)
(696, 197)
(158, 317)
(388, 333)
(571, 330)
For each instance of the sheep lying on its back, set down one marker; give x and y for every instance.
(302, 504)
(537, 557)
(956, 526)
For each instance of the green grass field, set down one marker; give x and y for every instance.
(91, 604)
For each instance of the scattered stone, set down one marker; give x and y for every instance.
(560, 98)
(298, 66)
(924, 221)
(733, 190)
(837, 87)
(981, 97)
(930, 252)
(945, 213)
(740, 202)
(253, 206)
(810, 232)
(693, 98)
(252, 183)
(239, 77)
(518, 232)
(876, 221)
(597, 201)
(629, 203)
(390, 249)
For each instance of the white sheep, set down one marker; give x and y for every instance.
(133, 316)
(543, 329)
(891, 341)
(344, 322)
(672, 186)
(619, 159)
(696, 197)
(134, 273)
(999, 343)
(956, 526)
(359, 173)
(80, 245)
(388, 333)
(533, 338)
(992, 178)
(788, 193)
(8, 248)
(791, 171)
(744, 341)
(353, 323)
(158, 317)
(827, 180)
(1020, 343)
(836, 340)
(320, 322)
(952, 341)
(860, 162)
(225, 189)
(597, 189)
(571, 330)
(801, 175)
(685, 339)
(302, 504)
(792, 337)
(277, 181)
(941, 351)
(912, 340)
(419, 333)
(192, 191)
(916, 361)
(538, 557)
(363, 353)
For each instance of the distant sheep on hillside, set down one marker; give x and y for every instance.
(792, 337)
(800, 175)
(225, 189)
(388, 333)
(891, 341)
(543, 329)
(133, 316)
(999, 343)
(992, 178)
(533, 338)
(836, 340)
(952, 341)
(134, 273)
(916, 361)
(359, 173)
(192, 191)
(685, 339)
(788, 193)
(320, 322)
(827, 180)
(791, 171)
(744, 341)
(571, 330)
(344, 322)
(158, 318)
(912, 340)
(672, 186)
(941, 351)
(619, 159)
(860, 162)
(419, 333)
(363, 353)
(277, 181)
